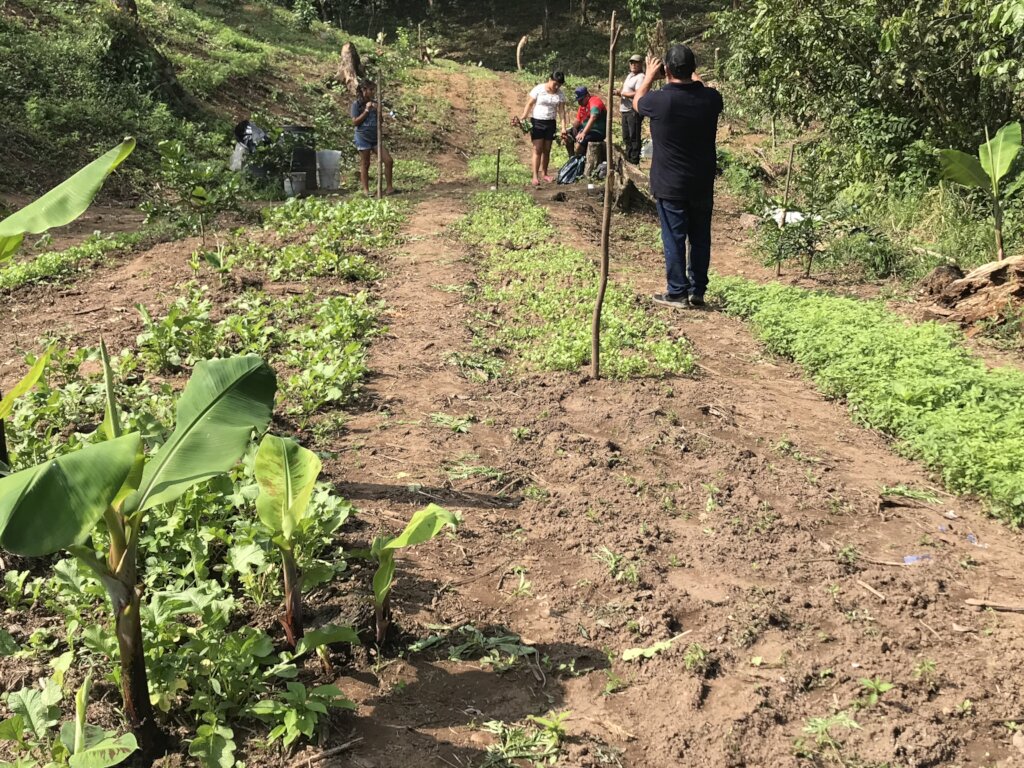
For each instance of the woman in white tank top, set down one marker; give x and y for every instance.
(545, 104)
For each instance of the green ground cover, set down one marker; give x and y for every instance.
(915, 382)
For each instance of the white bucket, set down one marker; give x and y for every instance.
(328, 163)
(295, 184)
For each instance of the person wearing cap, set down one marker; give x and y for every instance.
(632, 122)
(684, 120)
(545, 104)
(591, 122)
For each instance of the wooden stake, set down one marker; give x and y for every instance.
(4, 455)
(380, 136)
(606, 219)
(519, 52)
(497, 169)
(785, 206)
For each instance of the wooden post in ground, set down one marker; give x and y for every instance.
(5, 457)
(606, 218)
(785, 207)
(497, 169)
(519, 52)
(380, 135)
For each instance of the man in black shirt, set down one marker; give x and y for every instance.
(684, 120)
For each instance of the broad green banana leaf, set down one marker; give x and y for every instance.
(286, 473)
(423, 526)
(109, 752)
(62, 204)
(55, 505)
(223, 403)
(964, 169)
(23, 386)
(998, 154)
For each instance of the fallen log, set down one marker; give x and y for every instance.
(986, 293)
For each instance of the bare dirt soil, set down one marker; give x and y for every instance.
(740, 509)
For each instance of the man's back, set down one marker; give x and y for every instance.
(684, 121)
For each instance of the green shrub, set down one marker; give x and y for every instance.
(915, 382)
(871, 252)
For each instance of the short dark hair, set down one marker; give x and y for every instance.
(366, 83)
(558, 76)
(680, 61)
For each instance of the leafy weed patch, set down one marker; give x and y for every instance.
(915, 382)
(548, 292)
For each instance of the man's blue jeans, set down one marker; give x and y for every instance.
(683, 220)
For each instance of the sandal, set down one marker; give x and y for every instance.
(534, 183)
(548, 179)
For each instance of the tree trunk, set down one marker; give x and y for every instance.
(595, 156)
(134, 684)
(658, 44)
(382, 616)
(519, 52)
(292, 621)
(1000, 253)
(127, 6)
(350, 69)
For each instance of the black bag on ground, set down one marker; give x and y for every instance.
(572, 170)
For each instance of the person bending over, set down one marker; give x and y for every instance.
(591, 122)
(364, 117)
(684, 120)
(545, 104)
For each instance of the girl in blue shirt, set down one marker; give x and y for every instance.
(364, 114)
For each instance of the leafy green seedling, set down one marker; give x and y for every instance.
(874, 688)
(57, 505)
(286, 474)
(424, 526)
(298, 711)
(994, 160)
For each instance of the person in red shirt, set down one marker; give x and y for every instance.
(591, 122)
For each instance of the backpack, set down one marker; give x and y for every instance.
(572, 170)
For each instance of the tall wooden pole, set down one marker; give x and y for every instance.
(5, 457)
(497, 169)
(606, 220)
(380, 135)
(785, 210)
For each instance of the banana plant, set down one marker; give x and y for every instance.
(90, 746)
(424, 525)
(286, 474)
(7, 404)
(60, 504)
(994, 160)
(62, 204)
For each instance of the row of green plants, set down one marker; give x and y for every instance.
(56, 266)
(941, 404)
(546, 293)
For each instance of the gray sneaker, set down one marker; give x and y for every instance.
(668, 300)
